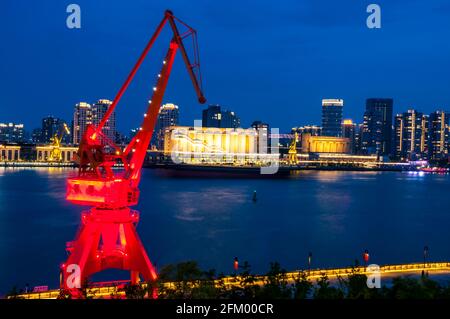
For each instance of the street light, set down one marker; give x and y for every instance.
(425, 255)
(236, 264)
(366, 257)
(309, 261)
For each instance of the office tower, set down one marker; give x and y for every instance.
(82, 116)
(36, 135)
(262, 137)
(213, 116)
(121, 139)
(411, 135)
(377, 127)
(229, 120)
(438, 135)
(12, 133)
(98, 111)
(51, 126)
(332, 117)
(358, 139)
(168, 116)
(349, 131)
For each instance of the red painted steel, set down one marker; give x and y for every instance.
(107, 237)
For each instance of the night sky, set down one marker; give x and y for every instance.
(266, 60)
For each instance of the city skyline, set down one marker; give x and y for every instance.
(297, 81)
(358, 120)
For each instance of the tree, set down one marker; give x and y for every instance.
(302, 286)
(325, 291)
(276, 286)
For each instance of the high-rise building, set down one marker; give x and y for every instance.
(36, 135)
(50, 126)
(12, 133)
(358, 139)
(349, 131)
(262, 137)
(168, 116)
(411, 135)
(377, 127)
(229, 120)
(332, 117)
(213, 116)
(98, 111)
(121, 139)
(438, 143)
(82, 116)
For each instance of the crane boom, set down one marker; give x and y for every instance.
(95, 163)
(168, 16)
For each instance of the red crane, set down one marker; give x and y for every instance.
(107, 237)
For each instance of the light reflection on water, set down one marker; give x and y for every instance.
(335, 215)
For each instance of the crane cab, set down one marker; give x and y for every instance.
(107, 192)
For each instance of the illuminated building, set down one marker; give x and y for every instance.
(213, 116)
(11, 133)
(168, 116)
(377, 127)
(9, 153)
(82, 116)
(262, 140)
(332, 117)
(67, 153)
(98, 111)
(324, 144)
(438, 135)
(85, 114)
(349, 131)
(314, 130)
(212, 145)
(411, 135)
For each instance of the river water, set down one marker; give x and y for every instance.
(335, 215)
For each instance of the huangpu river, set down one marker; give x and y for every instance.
(332, 214)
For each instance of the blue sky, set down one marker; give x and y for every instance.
(267, 60)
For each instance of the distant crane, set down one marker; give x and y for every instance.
(292, 153)
(55, 153)
(107, 237)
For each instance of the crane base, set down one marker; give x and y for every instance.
(107, 239)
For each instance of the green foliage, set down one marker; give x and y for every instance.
(411, 288)
(302, 287)
(276, 285)
(324, 290)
